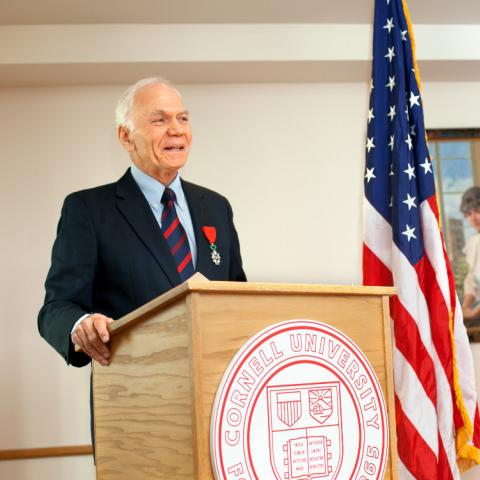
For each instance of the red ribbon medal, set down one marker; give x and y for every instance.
(211, 235)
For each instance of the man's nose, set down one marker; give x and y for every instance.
(175, 128)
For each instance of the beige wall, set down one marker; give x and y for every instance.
(300, 146)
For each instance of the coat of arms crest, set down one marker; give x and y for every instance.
(305, 436)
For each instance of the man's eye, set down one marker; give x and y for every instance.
(184, 119)
(158, 120)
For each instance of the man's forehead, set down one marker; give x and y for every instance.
(158, 97)
(161, 111)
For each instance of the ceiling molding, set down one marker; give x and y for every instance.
(61, 12)
(119, 54)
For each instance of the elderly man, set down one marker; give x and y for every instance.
(122, 244)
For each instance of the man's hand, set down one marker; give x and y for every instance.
(91, 335)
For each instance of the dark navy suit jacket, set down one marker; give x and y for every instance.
(110, 256)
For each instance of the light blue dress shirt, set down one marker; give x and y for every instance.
(153, 190)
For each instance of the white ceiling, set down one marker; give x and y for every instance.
(37, 12)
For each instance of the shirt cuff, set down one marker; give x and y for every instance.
(78, 321)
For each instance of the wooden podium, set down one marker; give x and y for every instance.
(152, 404)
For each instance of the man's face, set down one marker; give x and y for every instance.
(160, 141)
(473, 218)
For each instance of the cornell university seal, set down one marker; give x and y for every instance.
(299, 401)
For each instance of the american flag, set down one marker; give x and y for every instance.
(435, 397)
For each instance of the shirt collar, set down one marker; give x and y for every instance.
(153, 190)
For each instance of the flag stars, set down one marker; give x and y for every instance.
(370, 175)
(370, 115)
(404, 35)
(414, 99)
(391, 83)
(409, 232)
(412, 130)
(390, 54)
(392, 173)
(389, 25)
(392, 142)
(371, 84)
(410, 201)
(408, 141)
(410, 171)
(370, 144)
(392, 113)
(427, 166)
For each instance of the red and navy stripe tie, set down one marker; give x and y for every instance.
(176, 237)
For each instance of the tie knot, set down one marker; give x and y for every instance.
(168, 196)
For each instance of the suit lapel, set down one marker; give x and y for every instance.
(137, 212)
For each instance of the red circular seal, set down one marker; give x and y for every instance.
(299, 401)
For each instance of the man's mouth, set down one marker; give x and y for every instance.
(174, 148)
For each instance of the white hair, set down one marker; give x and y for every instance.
(123, 110)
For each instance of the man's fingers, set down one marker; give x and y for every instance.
(97, 343)
(93, 338)
(96, 328)
(80, 337)
(91, 334)
(100, 324)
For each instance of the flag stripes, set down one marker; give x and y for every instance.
(422, 462)
(424, 372)
(414, 403)
(409, 344)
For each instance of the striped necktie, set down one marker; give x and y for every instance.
(175, 235)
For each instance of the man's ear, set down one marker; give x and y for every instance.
(125, 140)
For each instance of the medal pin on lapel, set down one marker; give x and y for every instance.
(211, 235)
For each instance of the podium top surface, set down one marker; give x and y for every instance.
(198, 283)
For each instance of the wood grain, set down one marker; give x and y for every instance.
(66, 451)
(198, 283)
(389, 398)
(153, 402)
(143, 401)
(229, 320)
